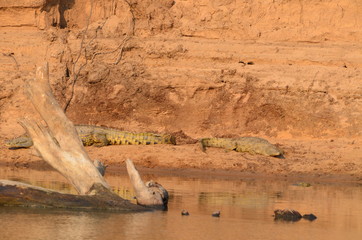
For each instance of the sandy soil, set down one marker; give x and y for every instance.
(324, 159)
(288, 71)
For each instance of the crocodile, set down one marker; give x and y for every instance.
(252, 145)
(103, 136)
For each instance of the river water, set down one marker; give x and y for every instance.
(246, 207)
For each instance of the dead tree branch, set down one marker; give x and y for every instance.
(64, 151)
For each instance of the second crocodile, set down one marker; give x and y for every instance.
(102, 136)
(252, 145)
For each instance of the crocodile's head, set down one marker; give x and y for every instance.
(19, 142)
(271, 150)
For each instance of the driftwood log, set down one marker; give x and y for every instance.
(60, 146)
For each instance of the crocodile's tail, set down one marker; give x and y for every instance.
(128, 138)
(203, 143)
(226, 143)
(152, 138)
(209, 142)
(158, 138)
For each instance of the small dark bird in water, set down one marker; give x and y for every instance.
(216, 214)
(185, 213)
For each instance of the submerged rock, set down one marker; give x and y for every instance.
(292, 215)
(287, 215)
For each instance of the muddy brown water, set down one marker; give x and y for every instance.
(246, 207)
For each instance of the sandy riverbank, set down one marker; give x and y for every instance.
(285, 71)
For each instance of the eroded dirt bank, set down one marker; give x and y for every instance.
(288, 71)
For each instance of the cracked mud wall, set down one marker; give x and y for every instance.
(281, 68)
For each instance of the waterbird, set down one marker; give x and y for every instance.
(216, 214)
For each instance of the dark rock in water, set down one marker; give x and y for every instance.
(310, 217)
(185, 213)
(287, 215)
(216, 214)
(292, 215)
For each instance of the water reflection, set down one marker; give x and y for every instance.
(246, 211)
